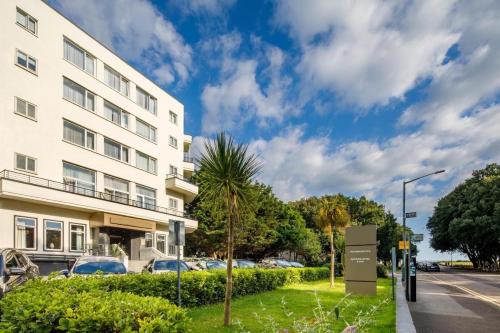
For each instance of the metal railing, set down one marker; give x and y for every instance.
(181, 177)
(188, 158)
(73, 189)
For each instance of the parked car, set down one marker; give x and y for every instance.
(216, 264)
(296, 264)
(433, 267)
(159, 265)
(245, 263)
(275, 263)
(15, 269)
(87, 265)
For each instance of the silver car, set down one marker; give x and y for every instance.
(15, 269)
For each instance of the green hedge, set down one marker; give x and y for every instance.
(198, 288)
(43, 307)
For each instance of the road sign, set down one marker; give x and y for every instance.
(411, 215)
(417, 237)
(402, 245)
(176, 235)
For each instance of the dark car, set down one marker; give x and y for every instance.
(15, 269)
(433, 267)
(88, 265)
(160, 265)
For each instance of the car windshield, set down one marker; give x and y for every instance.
(283, 263)
(246, 263)
(169, 265)
(216, 265)
(106, 267)
(296, 264)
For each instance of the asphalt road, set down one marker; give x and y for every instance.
(456, 301)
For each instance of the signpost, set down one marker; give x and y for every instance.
(411, 215)
(402, 245)
(394, 264)
(361, 260)
(417, 237)
(176, 236)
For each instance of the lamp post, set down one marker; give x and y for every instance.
(405, 261)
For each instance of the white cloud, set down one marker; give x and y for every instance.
(136, 30)
(210, 7)
(368, 52)
(239, 96)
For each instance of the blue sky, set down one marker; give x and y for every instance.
(335, 96)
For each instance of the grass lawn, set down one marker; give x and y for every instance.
(301, 301)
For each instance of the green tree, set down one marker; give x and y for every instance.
(226, 176)
(468, 219)
(332, 216)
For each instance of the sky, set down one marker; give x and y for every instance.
(345, 97)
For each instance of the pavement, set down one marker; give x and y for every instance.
(404, 321)
(454, 301)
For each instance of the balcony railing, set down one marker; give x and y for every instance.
(71, 188)
(188, 158)
(181, 177)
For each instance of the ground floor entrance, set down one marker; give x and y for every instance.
(108, 238)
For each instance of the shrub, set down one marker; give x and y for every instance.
(381, 271)
(47, 307)
(198, 288)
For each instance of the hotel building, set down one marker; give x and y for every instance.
(92, 152)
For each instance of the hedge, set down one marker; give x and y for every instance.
(47, 308)
(198, 288)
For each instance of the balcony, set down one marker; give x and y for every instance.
(188, 165)
(20, 186)
(181, 184)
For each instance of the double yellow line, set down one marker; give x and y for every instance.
(469, 291)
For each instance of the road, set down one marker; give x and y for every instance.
(456, 301)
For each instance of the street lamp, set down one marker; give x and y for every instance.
(405, 263)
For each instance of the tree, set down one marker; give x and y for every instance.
(332, 215)
(468, 219)
(226, 179)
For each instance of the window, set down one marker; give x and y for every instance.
(26, 61)
(116, 150)
(145, 130)
(25, 233)
(114, 79)
(145, 100)
(79, 57)
(25, 163)
(146, 197)
(78, 135)
(148, 237)
(172, 203)
(77, 237)
(79, 95)
(173, 117)
(172, 250)
(116, 189)
(173, 170)
(161, 242)
(53, 239)
(78, 179)
(115, 114)
(26, 21)
(172, 141)
(145, 162)
(25, 108)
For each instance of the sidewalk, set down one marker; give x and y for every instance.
(404, 322)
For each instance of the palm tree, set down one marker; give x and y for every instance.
(225, 177)
(332, 215)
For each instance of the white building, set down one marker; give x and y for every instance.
(92, 152)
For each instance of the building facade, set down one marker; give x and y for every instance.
(93, 154)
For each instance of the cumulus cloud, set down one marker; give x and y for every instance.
(238, 96)
(368, 52)
(140, 33)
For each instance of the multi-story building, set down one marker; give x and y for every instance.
(92, 152)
